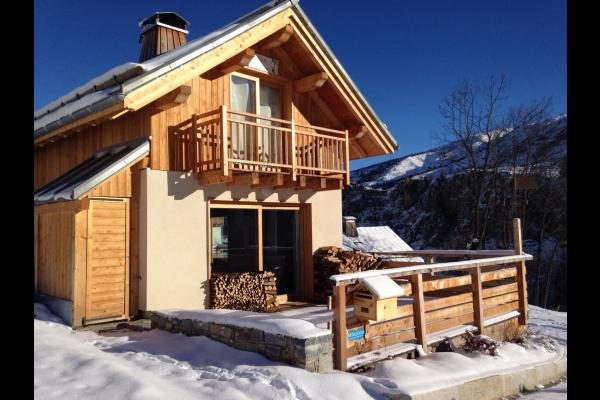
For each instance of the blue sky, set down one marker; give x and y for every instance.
(404, 56)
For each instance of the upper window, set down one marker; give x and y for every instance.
(249, 94)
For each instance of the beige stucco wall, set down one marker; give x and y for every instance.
(173, 232)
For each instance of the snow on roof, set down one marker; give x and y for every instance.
(172, 59)
(383, 287)
(375, 238)
(160, 65)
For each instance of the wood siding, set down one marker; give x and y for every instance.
(118, 185)
(54, 159)
(55, 253)
(107, 259)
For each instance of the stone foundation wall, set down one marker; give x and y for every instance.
(314, 354)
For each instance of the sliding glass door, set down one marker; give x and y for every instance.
(257, 238)
(280, 248)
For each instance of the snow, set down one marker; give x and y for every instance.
(274, 323)
(90, 85)
(156, 365)
(383, 287)
(168, 61)
(72, 107)
(378, 239)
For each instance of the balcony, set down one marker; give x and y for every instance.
(260, 151)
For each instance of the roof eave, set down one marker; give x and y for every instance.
(344, 74)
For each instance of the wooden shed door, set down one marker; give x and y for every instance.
(108, 260)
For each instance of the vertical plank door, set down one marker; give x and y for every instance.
(108, 258)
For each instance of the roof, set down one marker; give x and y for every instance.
(167, 17)
(118, 82)
(374, 239)
(383, 287)
(84, 177)
(377, 239)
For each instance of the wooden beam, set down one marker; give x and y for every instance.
(278, 38)
(419, 310)
(174, 98)
(339, 324)
(213, 178)
(296, 74)
(106, 113)
(477, 298)
(311, 82)
(237, 62)
(249, 179)
(357, 132)
(316, 184)
(270, 180)
(521, 273)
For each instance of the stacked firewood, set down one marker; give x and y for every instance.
(247, 291)
(333, 260)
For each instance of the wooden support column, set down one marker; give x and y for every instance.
(477, 298)
(521, 275)
(340, 331)
(224, 135)
(419, 310)
(260, 239)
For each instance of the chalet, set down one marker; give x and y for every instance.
(224, 154)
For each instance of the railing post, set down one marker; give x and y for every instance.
(419, 310)
(477, 298)
(521, 276)
(293, 149)
(224, 135)
(194, 145)
(339, 321)
(347, 161)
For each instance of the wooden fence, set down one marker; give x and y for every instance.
(480, 290)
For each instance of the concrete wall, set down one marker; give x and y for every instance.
(173, 232)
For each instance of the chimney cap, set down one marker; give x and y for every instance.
(349, 218)
(165, 18)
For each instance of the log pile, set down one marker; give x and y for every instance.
(247, 291)
(333, 260)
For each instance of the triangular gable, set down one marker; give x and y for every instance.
(171, 70)
(86, 176)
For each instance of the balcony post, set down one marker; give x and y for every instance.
(224, 135)
(521, 277)
(293, 149)
(347, 158)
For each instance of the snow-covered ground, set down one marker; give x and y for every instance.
(155, 365)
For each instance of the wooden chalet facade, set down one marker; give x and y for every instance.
(226, 153)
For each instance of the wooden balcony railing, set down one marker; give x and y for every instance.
(478, 293)
(259, 144)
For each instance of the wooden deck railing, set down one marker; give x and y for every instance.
(488, 287)
(257, 143)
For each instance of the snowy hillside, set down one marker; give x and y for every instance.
(160, 365)
(429, 200)
(449, 159)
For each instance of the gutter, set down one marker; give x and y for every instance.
(83, 112)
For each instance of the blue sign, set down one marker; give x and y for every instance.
(356, 334)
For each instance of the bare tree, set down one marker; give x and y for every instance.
(476, 117)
